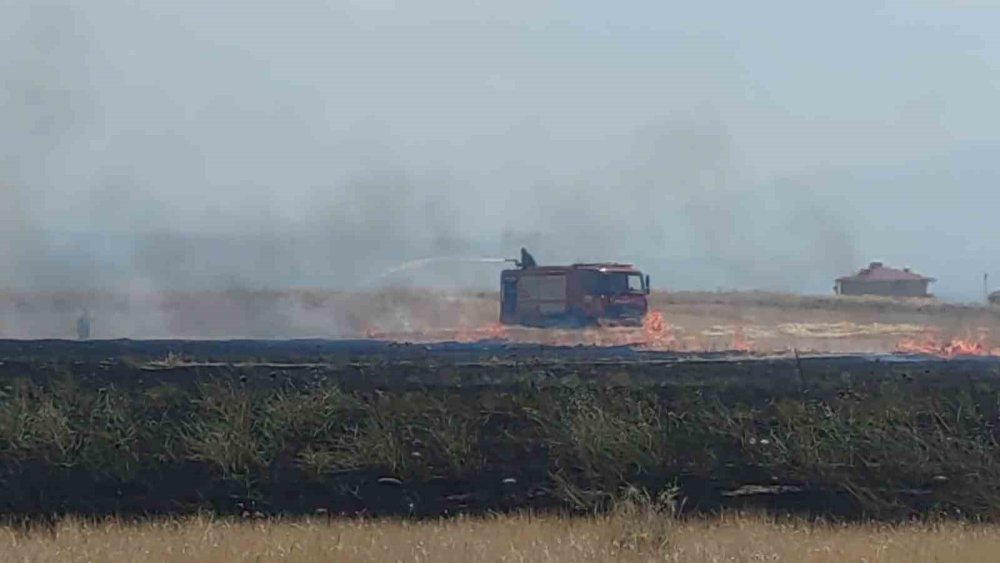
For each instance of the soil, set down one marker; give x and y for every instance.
(813, 365)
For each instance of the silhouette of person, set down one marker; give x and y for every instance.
(527, 260)
(83, 326)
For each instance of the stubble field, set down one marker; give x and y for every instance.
(693, 320)
(315, 450)
(631, 538)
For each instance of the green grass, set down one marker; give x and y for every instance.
(887, 450)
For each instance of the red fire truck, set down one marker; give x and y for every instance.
(578, 295)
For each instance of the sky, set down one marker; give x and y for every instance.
(775, 146)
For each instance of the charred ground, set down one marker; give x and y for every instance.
(388, 421)
(362, 427)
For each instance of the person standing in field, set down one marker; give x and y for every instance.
(83, 326)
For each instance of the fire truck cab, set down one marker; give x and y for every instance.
(578, 295)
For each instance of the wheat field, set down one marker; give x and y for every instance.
(628, 538)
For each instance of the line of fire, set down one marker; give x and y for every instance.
(613, 294)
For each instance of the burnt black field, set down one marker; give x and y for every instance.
(143, 428)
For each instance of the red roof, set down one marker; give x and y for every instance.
(877, 272)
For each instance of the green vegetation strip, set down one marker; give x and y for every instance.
(888, 449)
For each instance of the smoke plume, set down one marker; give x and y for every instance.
(182, 147)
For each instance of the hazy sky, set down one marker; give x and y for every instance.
(755, 145)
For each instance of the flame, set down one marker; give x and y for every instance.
(740, 342)
(958, 347)
(657, 334)
(654, 334)
(931, 344)
(492, 331)
(924, 345)
(368, 330)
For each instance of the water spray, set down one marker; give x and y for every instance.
(419, 263)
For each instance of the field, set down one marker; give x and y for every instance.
(693, 321)
(791, 408)
(373, 428)
(629, 537)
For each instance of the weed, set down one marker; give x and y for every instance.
(571, 447)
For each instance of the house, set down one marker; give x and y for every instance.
(877, 279)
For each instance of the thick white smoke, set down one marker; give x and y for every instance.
(182, 145)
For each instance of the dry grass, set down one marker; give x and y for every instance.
(630, 538)
(700, 320)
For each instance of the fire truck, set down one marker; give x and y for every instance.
(578, 295)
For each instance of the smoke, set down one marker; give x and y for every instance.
(679, 193)
(185, 147)
(39, 110)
